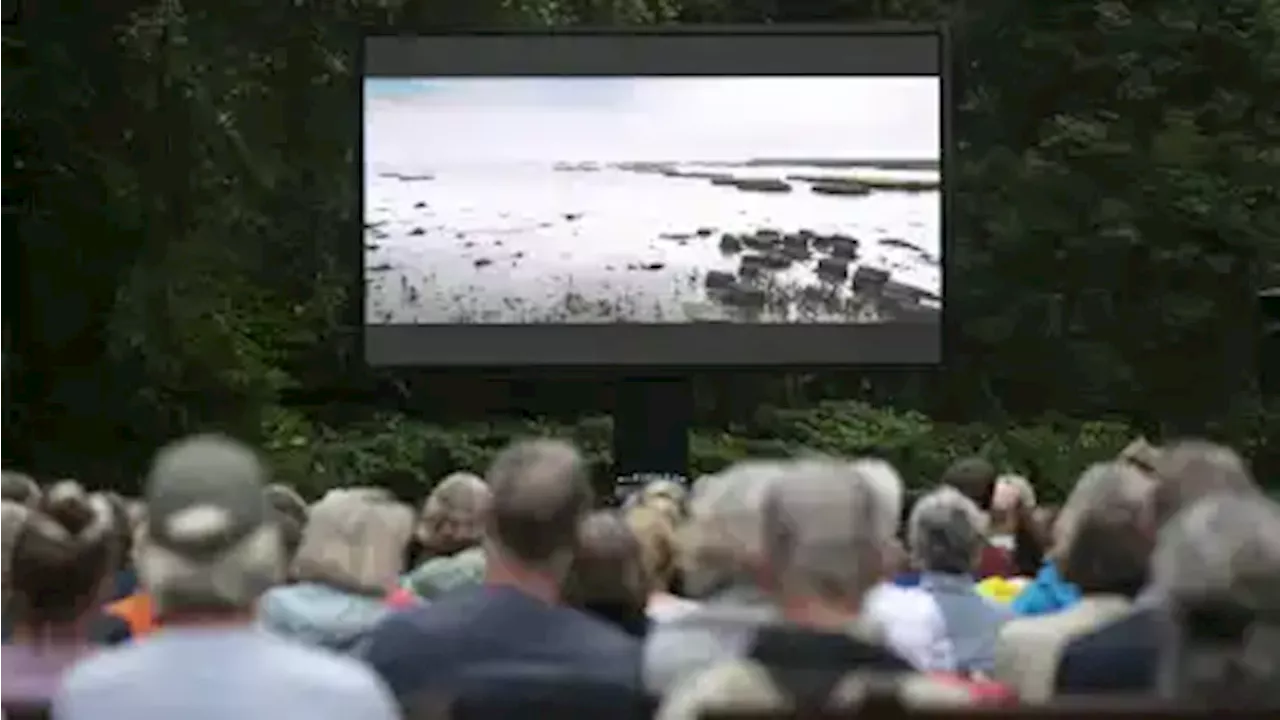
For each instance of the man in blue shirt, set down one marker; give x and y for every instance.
(484, 641)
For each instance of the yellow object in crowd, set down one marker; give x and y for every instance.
(1000, 589)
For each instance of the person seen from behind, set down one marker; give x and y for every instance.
(1217, 565)
(350, 556)
(1104, 554)
(722, 559)
(1121, 657)
(976, 479)
(59, 568)
(654, 531)
(210, 550)
(945, 534)
(450, 530)
(608, 578)
(472, 640)
(824, 546)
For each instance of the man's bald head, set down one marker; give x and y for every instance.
(541, 492)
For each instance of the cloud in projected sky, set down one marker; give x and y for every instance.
(470, 120)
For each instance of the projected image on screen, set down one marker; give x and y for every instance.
(652, 200)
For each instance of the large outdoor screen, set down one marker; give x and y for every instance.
(653, 200)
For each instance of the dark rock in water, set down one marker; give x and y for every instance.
(869, 279)
(795, 240)
(768, 261)
(380, 267)
(371, 246)
(724, 180)
(770, 233)
(647, 266)
(380, 234)
(730, 244)
(704, 232)
(843, 247)
(834, 269)
(761, 241)
(517, 256)
(469, 244)
(743, 296)
(374, 225)
(572, 216)
(796, 252)
(418, 231)
(750, 272)
(762, 185)
(416, 178)
(840, 188)
(717, 280)
(419, 205)
(482, 262)
(675, 236)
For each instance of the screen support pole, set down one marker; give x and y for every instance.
(652, 418)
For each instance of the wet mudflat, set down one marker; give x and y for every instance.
(651, 243)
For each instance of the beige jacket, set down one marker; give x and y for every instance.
(1029, 649)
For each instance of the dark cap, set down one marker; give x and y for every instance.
(204, 496)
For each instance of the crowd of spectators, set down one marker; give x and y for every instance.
(773, 584)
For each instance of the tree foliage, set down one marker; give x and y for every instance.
(184, 235)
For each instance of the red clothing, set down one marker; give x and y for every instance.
(401, 598)
(995, 562)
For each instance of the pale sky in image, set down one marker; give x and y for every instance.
(483, 120)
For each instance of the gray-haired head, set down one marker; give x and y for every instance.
(1115, 486)
(945, 531)
(721, 542)
(823, 531)
(1189, 470)
(1107, 545)
(886, 483)
(209, 543)
(1218, 565)
(354, 540)
(541, 492)
(20, 488)
(12, 521)
(453, 515)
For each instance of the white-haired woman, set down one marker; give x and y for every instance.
(945, 534)
(350, 556)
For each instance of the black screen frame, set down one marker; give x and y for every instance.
(899, 50)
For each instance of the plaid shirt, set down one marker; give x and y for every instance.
(442, 574)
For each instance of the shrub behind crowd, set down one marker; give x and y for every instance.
(406, 454)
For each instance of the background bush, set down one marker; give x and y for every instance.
(412, 455)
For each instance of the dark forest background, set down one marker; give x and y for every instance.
(181, 208)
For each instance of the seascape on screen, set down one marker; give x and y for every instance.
(652, 200)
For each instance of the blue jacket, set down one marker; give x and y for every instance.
(1047, 593)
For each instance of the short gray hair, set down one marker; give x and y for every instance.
(945, 531)
(1109, 486)
(823, 526)
(354, 539)
(721, 543)
(541, 492)
(1218, 563)
(1189, 470)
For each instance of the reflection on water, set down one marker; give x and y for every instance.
(521, 244)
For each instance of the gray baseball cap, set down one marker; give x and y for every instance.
(205, 494)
